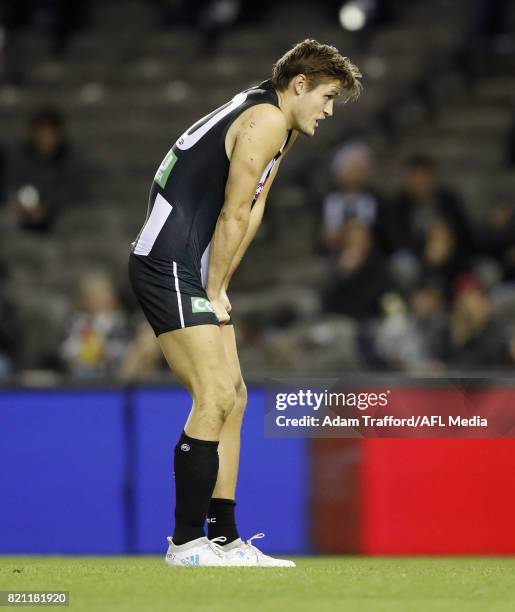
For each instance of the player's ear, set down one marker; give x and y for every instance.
(300, 83)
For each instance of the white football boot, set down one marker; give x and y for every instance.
(197, 553)
(245, 554)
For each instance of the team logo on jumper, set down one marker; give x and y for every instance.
(185, 447)
(165, 168)
(199, 304)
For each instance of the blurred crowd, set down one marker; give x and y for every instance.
(434, 284)
(415, 284)
(404, 281)
(408, 282)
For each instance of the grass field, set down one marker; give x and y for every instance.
(318, 584)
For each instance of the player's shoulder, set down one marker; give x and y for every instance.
(264, 116)
(267, 112)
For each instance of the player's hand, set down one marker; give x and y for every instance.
(220, 311)
(225, 300)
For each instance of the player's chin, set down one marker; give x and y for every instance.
(308, 131)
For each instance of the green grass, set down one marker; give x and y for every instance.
(318, 584)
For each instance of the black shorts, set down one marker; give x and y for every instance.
(169, 302)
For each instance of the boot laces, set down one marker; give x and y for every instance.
(216, 548)
(248, 543)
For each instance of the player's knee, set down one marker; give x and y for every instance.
(225, 400)
(219, 399)
(240, 402)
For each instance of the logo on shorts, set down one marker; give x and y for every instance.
(200, 304)
(185, 447)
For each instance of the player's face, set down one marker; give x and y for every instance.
(314, 105)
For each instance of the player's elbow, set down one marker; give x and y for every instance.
(238, 214)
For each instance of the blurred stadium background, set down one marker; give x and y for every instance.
(388, 246)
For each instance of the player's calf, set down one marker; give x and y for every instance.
(196, 458)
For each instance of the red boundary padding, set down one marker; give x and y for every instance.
(438, 496)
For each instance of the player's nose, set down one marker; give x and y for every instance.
(328, 110)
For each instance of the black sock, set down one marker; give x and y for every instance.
(196, 470)
(221, 520)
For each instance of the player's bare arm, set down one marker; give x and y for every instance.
(256, 216)
(261, 135)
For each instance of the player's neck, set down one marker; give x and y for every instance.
(285, 108)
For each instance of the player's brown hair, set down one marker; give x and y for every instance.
(318, 62)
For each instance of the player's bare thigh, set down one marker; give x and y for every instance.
(197, 357)
(195, 354)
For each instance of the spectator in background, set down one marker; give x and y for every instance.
(359, 276)
(428, 309)
(11, 334)
(263, 347)
(413, 338)
(45, 176)
(475, 339)
(496, 236)
(353, 197)
(98, 334)
(396, 342)
(442, 260)
(420, 202)
(143, 356)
